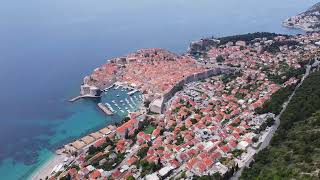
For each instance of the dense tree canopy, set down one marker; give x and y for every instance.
(247, 37)
(294, 151)
(274, 104)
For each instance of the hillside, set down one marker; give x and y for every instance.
(307, 21)
(294, 151)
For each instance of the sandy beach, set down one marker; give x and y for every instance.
(45, 170)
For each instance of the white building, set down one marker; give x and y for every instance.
(165, 170)
(153, 176)
(156, 105)
(86, 89)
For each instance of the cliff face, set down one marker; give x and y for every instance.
(308, 21)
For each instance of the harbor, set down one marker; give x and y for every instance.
(61, 50)
(105, 109)
(115, 101)
(120, 99)
(117, 98)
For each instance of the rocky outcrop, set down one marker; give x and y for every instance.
(198, 47)
(308, 21)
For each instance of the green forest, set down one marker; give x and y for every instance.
(247, 37)
(294, 152)
(274, 104)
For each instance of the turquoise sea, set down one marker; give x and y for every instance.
(47, 47)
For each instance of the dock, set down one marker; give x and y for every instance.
(132, 92)
(83, 96)
(105, 109)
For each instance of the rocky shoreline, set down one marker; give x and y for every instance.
(308, 21)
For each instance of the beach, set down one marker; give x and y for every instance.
(46, 169)
(61, 51)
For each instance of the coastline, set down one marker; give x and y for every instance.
(59, 160)
(297, 26)
(45, 169)
(49, 117)
(307, 21)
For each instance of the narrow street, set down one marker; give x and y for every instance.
(267, 140)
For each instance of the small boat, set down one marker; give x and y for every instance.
(117, 87)
(132, 101)
(118, 95)
(110, 107)
(132, 92)
(115, 104)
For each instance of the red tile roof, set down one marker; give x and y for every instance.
(95, 174)
(225, 148)
(100, 142)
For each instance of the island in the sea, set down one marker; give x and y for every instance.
(308, 21)
(205, 113)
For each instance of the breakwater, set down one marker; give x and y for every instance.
(84, 96)
(105, 109)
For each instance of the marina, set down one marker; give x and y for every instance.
(121, 99)
(105, 109)
(132, 92)
(58, 73)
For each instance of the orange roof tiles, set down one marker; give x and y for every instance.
(95, 174)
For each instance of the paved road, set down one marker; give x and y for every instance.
(267, 140)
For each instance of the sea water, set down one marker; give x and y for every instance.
(47, 47)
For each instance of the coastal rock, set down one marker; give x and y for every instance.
(308, 21)
(197, 47)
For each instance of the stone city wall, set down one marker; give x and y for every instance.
(192, 78)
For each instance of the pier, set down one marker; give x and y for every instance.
(132, 92)
(83, 96)
(105, 109)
